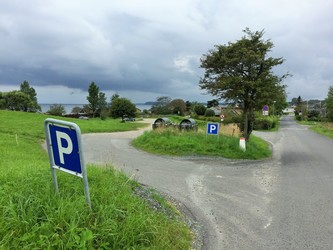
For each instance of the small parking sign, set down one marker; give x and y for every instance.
(212, 128)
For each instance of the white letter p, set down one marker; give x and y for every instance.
(63, 150)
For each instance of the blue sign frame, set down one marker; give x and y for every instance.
(64, 146)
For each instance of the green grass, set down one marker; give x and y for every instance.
(33, 217)
(173, 142)
(32, 125)
(323, 128)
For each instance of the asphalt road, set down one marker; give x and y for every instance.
(285, 202)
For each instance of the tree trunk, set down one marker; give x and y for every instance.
(248, 123)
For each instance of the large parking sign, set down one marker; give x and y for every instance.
(64, 146)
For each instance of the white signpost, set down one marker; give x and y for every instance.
(64, 146)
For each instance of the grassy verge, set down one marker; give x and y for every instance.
(323, 128)
(173, 142)
(33, 217)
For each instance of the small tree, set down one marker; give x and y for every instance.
(212, 103)
(57, 109)
(121, 107)
(329, 104)
(161, 106)
(177, 106)
(77, 110)
(93, 98)
(30, 91)
(17, 100)
(199, 109)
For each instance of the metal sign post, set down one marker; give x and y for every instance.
(64, 146)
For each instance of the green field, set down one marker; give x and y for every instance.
(33, 217)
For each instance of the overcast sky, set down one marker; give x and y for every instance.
(142, 49)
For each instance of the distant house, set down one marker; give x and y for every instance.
(289, 110)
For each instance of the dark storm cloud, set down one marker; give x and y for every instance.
(151, 48)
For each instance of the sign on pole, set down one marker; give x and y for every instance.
(212, 129)
(64, 146)
(265, 110)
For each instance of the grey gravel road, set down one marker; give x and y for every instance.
(285, 202)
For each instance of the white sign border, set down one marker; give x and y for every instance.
(53, 166)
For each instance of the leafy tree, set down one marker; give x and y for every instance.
(102, 105)
(188, 106)
(16, 100)
(2, 101)
(177, 106)
(161, 106)
(93, 97)
(30, 91)
(76, 110)
(241, 72)
(329, 104)
(121, 107)
(301, 109)
(209, 113)
(57, 109)
(212, 103)
(199, 109)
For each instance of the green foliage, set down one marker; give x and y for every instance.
(172, 142)
(57, 110)
(33, 217)
(241, 72)
(209, 113)
(212, 103)
(329, 104)
(30, 91)
(23, 100)
(93, 97)
(121, 107)
(265, 122)
(200, 109)
(161, 106)
(177, 106)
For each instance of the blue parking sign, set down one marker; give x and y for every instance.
(65, 148)
(212, 128)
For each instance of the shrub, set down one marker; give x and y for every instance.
(200, 109)
(265, 122)
(57, 109)
(209, 113)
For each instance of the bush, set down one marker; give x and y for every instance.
(57, 109)
(209, 113)
(200, 109)
(265, 122)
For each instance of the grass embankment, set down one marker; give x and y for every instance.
(33, 217)
(323, 128)
(171, 141)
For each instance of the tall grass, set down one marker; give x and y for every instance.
(323, 128)
(33, 217)
(174, 142)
